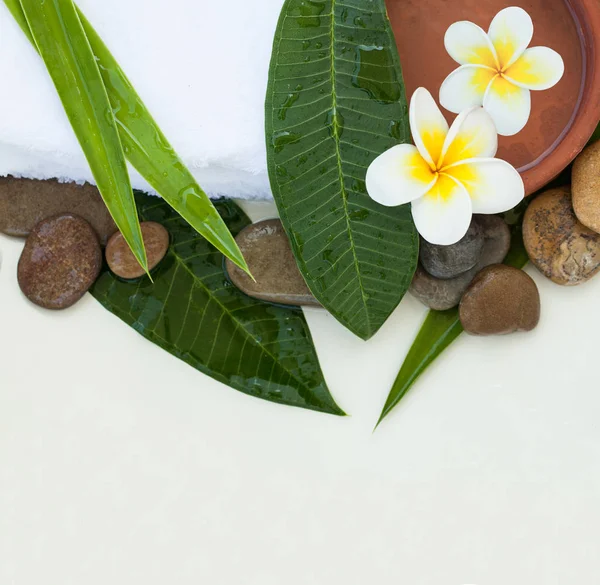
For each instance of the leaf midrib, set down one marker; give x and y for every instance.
(337, 138)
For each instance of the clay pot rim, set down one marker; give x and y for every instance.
(586, 15)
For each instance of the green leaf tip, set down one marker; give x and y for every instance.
(441, 328)
(194, 313)
(62, 43)
(146, 147)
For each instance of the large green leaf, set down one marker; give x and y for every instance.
(147, 148)
(195, 313)
(441, 328)
(63, 45)
(335, 101)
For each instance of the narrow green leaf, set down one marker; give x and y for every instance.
(63, 45)
(336, 100)
(441, 328)
(149, 151)
(194, 312)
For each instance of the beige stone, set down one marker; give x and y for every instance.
(586, 187)
(561, 247)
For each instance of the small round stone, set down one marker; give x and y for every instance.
(586, 187)
(60, 262)
(500, 300)
(562, 248)
(120, 258)
(450, 261)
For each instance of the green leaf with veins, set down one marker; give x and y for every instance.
(335, 101)
(195, 313)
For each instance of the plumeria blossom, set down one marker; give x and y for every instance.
(497, 70)
(448, 175)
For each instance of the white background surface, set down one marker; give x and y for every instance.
(119, 464)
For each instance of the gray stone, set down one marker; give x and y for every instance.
(450, 261)
(60, 262)
(267, 251)
(443, 294)
(26, 202)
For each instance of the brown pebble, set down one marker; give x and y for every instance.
(60, 262)
(267, 251)
(120, 258)
(500, 300)
(26, 202)
(586, 187)
(562, 248)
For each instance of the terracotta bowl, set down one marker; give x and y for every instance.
(563, 118)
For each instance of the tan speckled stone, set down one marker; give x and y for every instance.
(561, 247)
(500, 300)
(586, 187)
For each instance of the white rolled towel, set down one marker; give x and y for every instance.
(200, 66)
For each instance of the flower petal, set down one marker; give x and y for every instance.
(508, 105)
(511, 32)
(493, 185)
(398, 176)
(472, 135)
(465, 87)
(428, 126)
(443, 216)
(468, 43)
(538, 68)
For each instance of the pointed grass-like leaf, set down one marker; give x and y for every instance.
(63, 45)
(441, 328)
(336, 100)
(194, 312)
(148, 150)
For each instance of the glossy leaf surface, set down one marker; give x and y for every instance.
(194, 312)
(63, 45)
(442, 328)
(335, 101)
(147, 148)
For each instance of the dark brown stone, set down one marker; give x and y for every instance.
(442, 294)
(500, 300)
(561, 247)
(120, 258)
(26, 202)
(267, 251)
(60, 262)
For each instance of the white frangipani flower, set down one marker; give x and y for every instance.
(497, 70)
(450, 173)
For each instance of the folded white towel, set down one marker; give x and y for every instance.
(200, 66)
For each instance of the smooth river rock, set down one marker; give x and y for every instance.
(450, 261)
(561, 247)
(26, 202)
(442, 294)
(500, 300)
(267, 251)
(586, 187)
(120, 258)
(60, 262)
